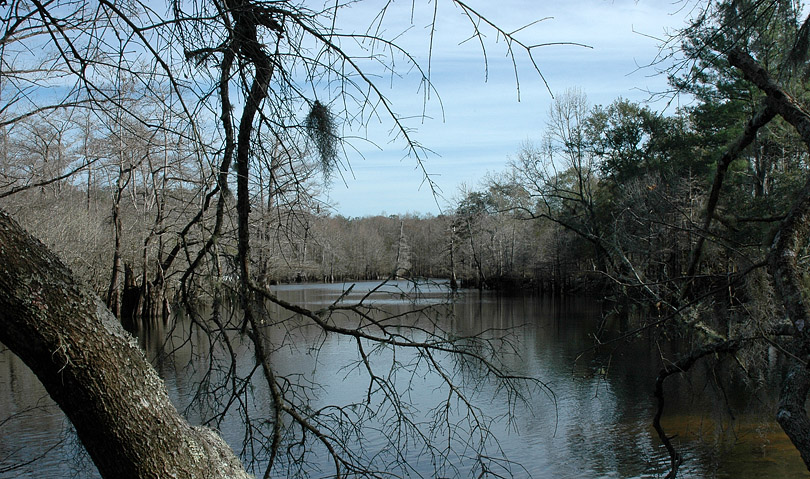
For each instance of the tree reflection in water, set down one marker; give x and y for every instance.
(596, 421)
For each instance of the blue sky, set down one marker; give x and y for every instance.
(482, 123)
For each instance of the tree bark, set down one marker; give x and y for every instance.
(783, 264)
(762, 117)
(95, 371)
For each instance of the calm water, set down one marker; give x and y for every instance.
(597, 422)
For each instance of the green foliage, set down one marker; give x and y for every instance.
(633, 183)
(474, 204)
(631, 140)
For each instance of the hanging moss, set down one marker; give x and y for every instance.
(322, 130)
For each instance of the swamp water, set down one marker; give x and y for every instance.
(597, 422)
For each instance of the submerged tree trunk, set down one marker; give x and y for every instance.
(114, 291)
(453, 279)
(95, 371)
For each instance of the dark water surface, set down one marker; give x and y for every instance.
(597, 422)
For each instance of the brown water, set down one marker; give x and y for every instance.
(597, 423)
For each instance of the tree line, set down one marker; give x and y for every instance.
(112, 218)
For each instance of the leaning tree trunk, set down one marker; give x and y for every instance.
(783, 263)
(95, 371)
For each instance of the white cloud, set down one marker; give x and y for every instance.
(484, 123)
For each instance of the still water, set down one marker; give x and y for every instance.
(594, 421)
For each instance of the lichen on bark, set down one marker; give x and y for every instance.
(95, 372)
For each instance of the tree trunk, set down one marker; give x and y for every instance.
(95, 371)
(114, 291)
(784, 267)
(453, 280)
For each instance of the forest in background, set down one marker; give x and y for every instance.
(604, 187)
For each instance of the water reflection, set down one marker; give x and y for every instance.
(597, 422)
(33, 436)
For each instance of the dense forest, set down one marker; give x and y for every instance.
(693, 221)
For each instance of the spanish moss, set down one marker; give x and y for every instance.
(322, 129)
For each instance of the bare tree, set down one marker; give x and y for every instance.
(237, 74)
